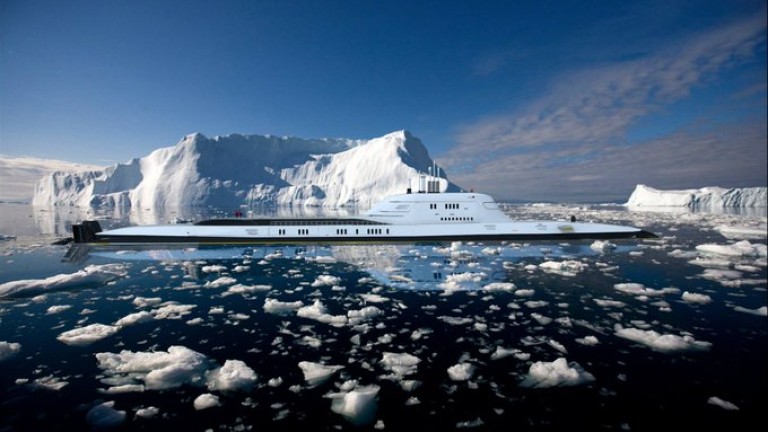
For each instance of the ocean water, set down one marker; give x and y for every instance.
(542, 336)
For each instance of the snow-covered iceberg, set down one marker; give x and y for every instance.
(707, 197)
(234, 170)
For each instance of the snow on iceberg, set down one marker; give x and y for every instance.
(232, 170)
(714, 197)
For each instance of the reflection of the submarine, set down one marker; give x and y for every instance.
(457, 265)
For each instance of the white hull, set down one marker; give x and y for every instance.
(421, 217)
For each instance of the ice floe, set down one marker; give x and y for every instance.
(234, 375)
(724, 404)
(358, 406)
(205, 401)
(88, 334)
(400, 364)
(461, 371)
(666, 343)
(9, 349)
(178, 366)
(739, 249)
(104, 415)
(558, 373)
(92, 275)
(317, 373)
(696, 298)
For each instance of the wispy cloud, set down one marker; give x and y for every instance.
(597, 105)
(730, 156)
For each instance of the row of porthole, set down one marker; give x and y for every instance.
(339, 231)
(464, 218)
(377, 231)
(448, 206)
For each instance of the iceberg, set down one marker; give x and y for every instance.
(712, 197)
(235, 170)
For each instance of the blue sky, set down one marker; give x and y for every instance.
(560, 100)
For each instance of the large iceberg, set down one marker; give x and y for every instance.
(234, 170)
(708, 197)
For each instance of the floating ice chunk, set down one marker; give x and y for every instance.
(461, 371)
(734, 232)
(739, 249)
(317, 373)
(146, 301)
(326, 280)
(364, 314)
(216, 268)
(400, 364)
(93, 275)
(135, 318)
(125, 388)
(696, 298)
(277, 307)
(558, 373)
(761, 311)
(205, 401)
(609, 303)
(558, 346)
(323, 259)
(666, 343)
(245, 289)
(9, 349)
(463, 281)
(728, 406)
(51, 382)
(588, 340)
(234, 375)
(565, 268)
(373, 298)
(357, 406)
(541, 319)
(318, 312)
(502, 352)
(104, 415)
(602, 246)
(147, 412)
(637, 289)
(455, 320)
(88, 334)
(56, 309)
(157, 370)
(500, 286)
(221, 282)
(172, 311)
(721, 275)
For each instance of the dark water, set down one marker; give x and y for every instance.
(431, 304)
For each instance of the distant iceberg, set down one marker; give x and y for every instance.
(236, 170)
(708, 197)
